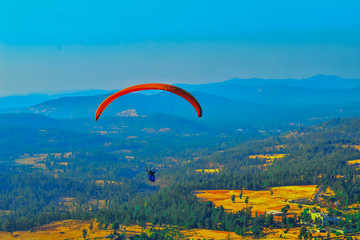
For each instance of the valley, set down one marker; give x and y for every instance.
(60, 171)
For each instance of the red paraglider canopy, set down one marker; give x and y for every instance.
(150, 86)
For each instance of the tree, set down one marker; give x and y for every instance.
(115, 226)
(290, 221)
(241, 194)
(247, 200)
(143, 236)
(100, 225)
(233, 198)
(303, 232)
(84, 233)
(243, 230)
(283, 219)
(91, 226)
(257, 230)
(300, 206)
(318, 221)
(269, 220)
(285, 209)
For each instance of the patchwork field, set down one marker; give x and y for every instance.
(73, 229)
(68, 229)
(353, 146)
(37, 160)
(353, 162)
(260, 201)
(102, 182)
(268, 157)
(3, 212)
(209, 170)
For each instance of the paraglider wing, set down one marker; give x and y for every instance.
(150, 86)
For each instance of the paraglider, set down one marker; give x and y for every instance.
(151, 174)
(150, 86)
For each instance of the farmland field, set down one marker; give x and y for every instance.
(209, 170)
(37, 160)
(352, 162)
(268, 157)
(260, 201)
(73, 229)
(3, 212)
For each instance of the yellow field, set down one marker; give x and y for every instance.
(293, 134)
(36, 159)
(352, 162)
(353, 146)
(68, 229)
(73, 229)
(329, 192)
(209, 170)
(268, 157)
(3, 212)
(209, 234)
(102, 182)
(260, 201)
(292, 234)
(71, 203)
(99, 203)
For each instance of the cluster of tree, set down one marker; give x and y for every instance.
(151, 234)
(178, 206)
(28, 192)
(16, 141)
(34, 196)
(314, 155)
(14, 222)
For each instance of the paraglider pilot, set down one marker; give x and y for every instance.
(151, 174)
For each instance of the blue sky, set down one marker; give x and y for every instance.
(60, 45)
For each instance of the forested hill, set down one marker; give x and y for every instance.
(26, 133)
(314, 155)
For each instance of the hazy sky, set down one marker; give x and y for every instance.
(62, 45)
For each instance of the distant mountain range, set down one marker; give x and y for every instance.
(320, 81)
(19, 101)
(234, 88)
(236, 103)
